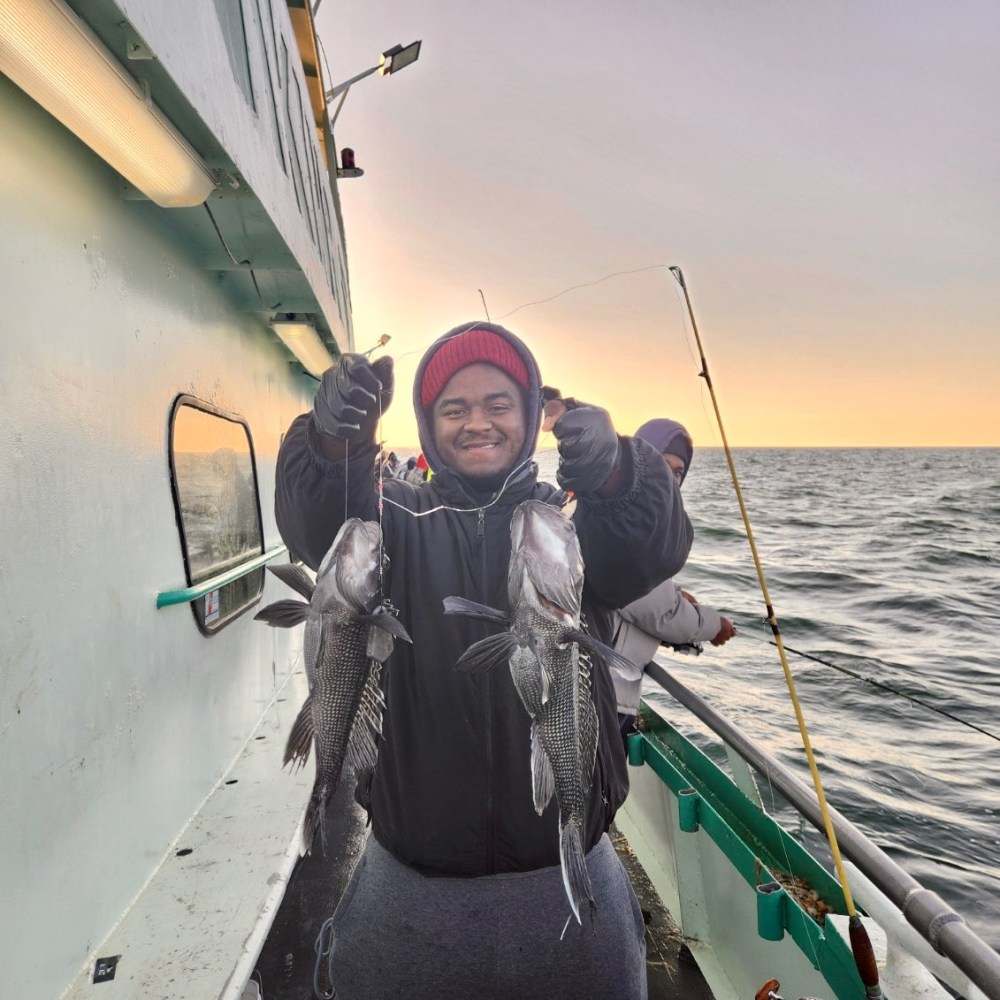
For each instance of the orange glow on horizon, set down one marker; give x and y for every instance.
(817, 401)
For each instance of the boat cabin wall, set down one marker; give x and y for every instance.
(116, 719)
(239, 65)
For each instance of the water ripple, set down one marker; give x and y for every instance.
(875, 563)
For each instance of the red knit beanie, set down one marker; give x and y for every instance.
(470, 348)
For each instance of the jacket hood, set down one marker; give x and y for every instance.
(669, 436)
(532, 395)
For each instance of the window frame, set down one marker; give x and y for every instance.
(186, 399)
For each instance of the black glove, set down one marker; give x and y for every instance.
(347, 404)
(588, 448)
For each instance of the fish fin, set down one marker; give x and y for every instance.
(379, 645)
(596, 648)
(295, 577)
(589, 728)
(528, 674)
(576, 877)
(387, 623)
(548, 683)
(300, 739)
(362, 744)
(315, 819)
(488, 652)
(462, 606)
(312, 639)
(562, 590)
(283, 614)
(543, 782)
(589, 725)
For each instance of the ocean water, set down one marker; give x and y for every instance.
(885, 562)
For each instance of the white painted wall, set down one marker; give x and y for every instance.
(115, 719)
(196, 60)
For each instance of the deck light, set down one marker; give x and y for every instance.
(398, 57)
(300, 337)
(57, 60)
(391, 61)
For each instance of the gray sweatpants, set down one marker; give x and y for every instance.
(397, 933)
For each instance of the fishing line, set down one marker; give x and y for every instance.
(573, 288)
(864, 955)
(324, 950)
(443, 341)
(347, 470)
(525, 305)
(875, 683)
(381, 506)
(465, 510)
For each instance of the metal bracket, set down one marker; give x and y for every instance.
(135, 47)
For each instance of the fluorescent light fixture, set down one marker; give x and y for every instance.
(301, 338)
(397, 58)
(56, 59)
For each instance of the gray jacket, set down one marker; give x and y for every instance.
(663, 615)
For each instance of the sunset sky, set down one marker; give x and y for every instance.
(827, 175)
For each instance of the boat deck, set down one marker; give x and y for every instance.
(285, 967)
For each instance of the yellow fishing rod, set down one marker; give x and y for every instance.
(861, 946)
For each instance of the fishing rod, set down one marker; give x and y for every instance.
(879, 684)
(864, 955)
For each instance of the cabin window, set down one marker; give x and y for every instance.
(214, 478)
(230, 14)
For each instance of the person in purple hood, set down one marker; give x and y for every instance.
(666, 614)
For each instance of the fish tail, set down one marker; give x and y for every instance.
(576, 877)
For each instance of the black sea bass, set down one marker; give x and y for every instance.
(542, 647)
(346, 641)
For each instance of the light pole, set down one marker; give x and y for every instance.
(391, 61)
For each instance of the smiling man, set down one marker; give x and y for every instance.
(479, 424)
(433, 909)
(473, 388)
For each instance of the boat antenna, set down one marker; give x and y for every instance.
(485, 307)
(864, 955)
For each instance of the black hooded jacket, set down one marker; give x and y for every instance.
(451, 793)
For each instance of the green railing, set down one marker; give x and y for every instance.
(167, 597)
